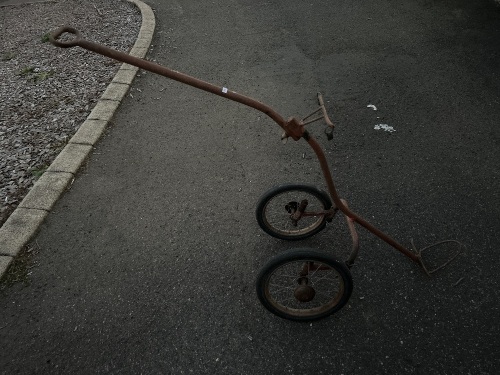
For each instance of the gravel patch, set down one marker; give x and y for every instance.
(46, 92)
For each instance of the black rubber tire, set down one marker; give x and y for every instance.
(322, 199)
(338, 270)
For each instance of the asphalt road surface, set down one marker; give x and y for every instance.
(148, 264)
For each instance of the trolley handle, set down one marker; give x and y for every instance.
(293, 127)
(295, 130)
(56, 34)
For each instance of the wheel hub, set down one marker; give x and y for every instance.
(304, 293)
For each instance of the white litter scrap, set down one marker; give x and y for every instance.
(371, 106)
(384, 127)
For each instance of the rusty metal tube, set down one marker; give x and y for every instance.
(342, 207)
(77, 40)
(354, 237)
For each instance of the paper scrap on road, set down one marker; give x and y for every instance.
(384, 127)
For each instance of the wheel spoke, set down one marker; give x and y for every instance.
(279, 288)
(325, 288)
(325, 277)
(277, 212)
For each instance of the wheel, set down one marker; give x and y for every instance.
(304, 285)
(276, 210)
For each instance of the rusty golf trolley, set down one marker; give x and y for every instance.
(300, 284)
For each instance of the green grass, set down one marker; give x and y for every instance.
(37, 172)
(20, 268)
(8, 56)
(35, 76)
(42, 76)
(26, 71)
(45, 37)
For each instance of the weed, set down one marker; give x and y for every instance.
(38, 171)
(8, 56)
(25, 71)
(45, 37)
(35, 75)
(42, 76)
(20, 269)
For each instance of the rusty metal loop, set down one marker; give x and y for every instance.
(56, 34)
(460, 250)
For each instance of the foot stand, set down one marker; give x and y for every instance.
(453, 243)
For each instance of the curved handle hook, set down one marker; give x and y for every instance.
(56, 34)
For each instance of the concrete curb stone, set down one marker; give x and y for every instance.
(24, 222)
(115, 91)
(104, 110)
(70, 158)
(126, 74)
(5, 262)
(44, 194)
(89, 132)
(19, 229)
(138, 51)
